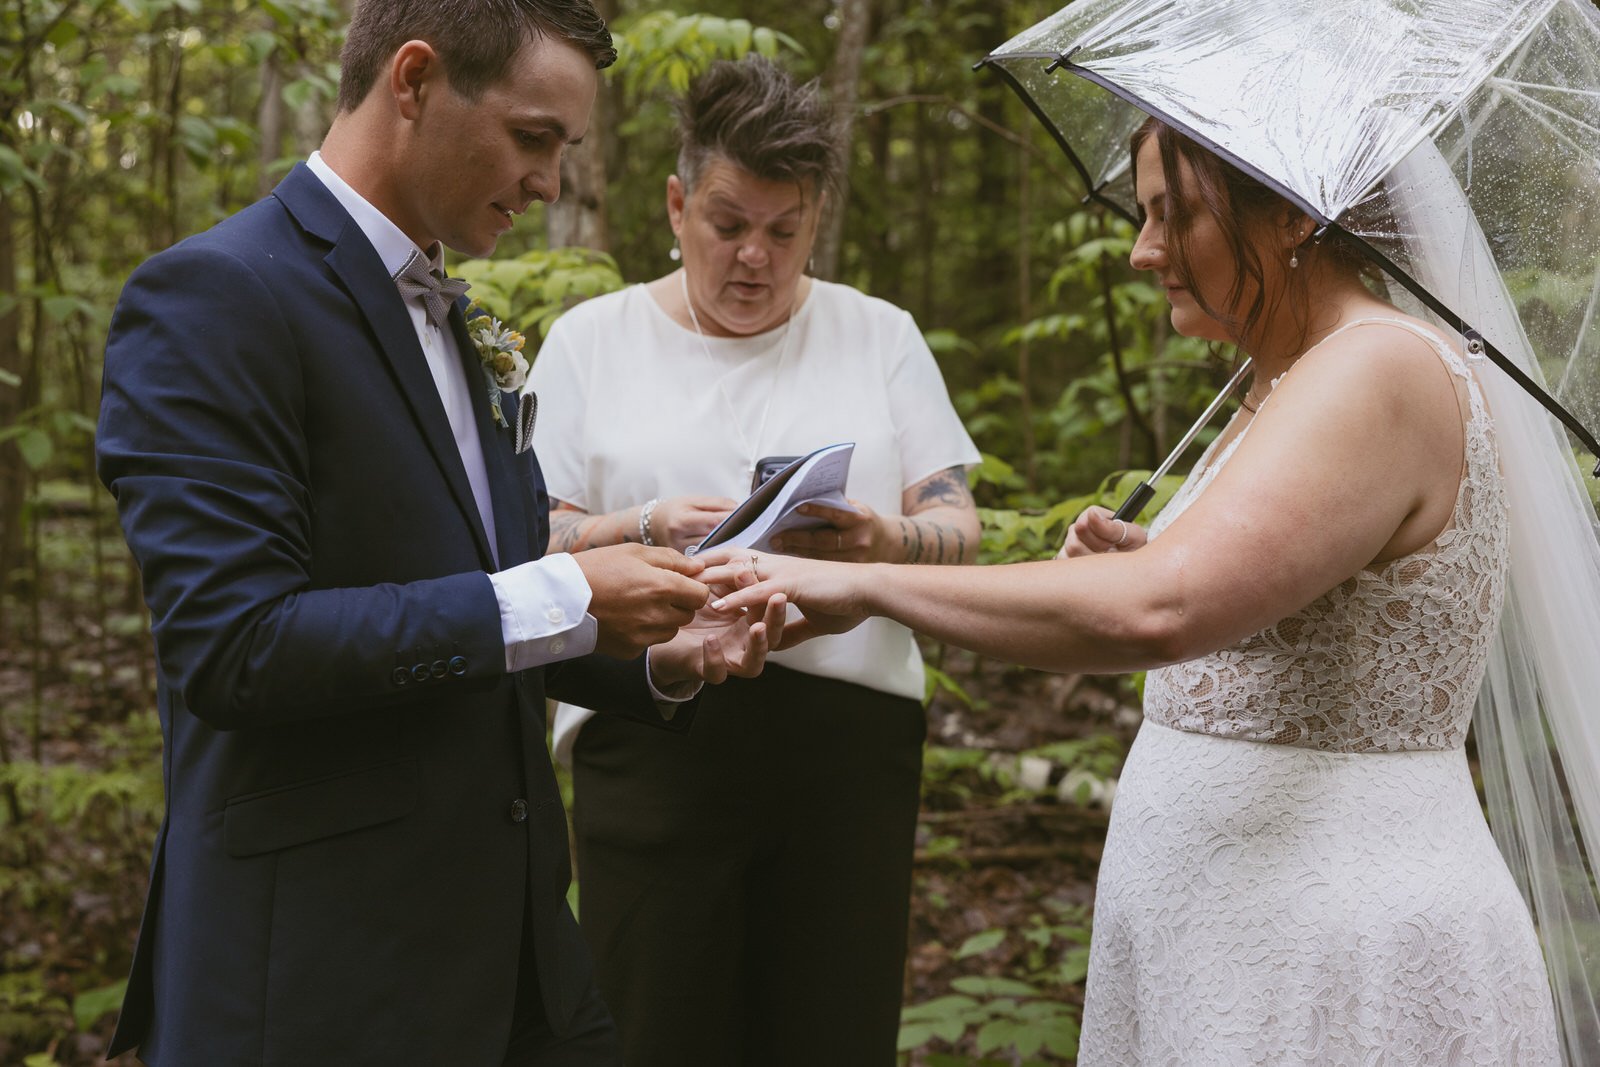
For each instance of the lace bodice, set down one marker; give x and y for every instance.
(1391, 658)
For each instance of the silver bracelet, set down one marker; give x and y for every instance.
(644, 521)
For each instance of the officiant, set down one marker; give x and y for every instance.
(744, 886)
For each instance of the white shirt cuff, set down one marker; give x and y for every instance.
(544, 607)
(681, 692)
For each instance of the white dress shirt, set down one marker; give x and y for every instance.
(544, 603)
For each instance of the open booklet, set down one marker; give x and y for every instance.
(814, 479)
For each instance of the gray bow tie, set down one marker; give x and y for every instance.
(418, 278)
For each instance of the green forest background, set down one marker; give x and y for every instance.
(126, 125)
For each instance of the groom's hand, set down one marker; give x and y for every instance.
(639, 596)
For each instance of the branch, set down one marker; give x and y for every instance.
(1124, 384)
(1015, 138)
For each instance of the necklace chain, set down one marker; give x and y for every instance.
(733, 412)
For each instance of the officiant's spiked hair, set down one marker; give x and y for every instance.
(753, 114)
(476, 39)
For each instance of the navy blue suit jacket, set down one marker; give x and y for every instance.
(360, 807)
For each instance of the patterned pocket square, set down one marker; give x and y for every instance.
(527, 412)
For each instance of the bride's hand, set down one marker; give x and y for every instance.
(1096, 531)
(828, 595)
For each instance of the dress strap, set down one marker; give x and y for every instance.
(1452, 359)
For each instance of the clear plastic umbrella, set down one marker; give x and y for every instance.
(1323, 100)
(1457, 143)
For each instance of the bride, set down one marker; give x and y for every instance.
(1297, 868)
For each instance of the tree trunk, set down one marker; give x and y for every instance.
(844, 83)
(310, 121)
(269, 118)
(578, 218)
(13, 484)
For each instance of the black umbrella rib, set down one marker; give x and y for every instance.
(1472, 336)
(1060, 139)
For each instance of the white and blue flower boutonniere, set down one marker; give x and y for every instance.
(500, 353)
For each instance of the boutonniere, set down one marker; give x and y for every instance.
(499, 353)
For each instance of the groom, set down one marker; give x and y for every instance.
(365, 858)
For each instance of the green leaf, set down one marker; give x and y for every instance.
(1061, 1035)
(993, 986)
(913, 1036)
(938, 1008)
(260, 45)
(1004, 1033)
(36, 448)
(298, 92)
(14, 168)
(61, 308)
(934, 680)
(89, 1006)
(941, 342)
(66, 31)
(978, 944)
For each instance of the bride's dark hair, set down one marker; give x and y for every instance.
(1242, 208)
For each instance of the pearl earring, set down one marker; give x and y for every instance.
(674, 253)
(1294, 261)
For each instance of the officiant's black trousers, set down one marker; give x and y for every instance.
(745, 886)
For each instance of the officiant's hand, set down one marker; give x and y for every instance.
(851, 536)
(1095, 531)
(681, 521)
(640, 596)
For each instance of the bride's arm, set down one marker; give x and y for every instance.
(1356, 459)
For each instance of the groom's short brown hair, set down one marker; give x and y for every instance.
(475, 38)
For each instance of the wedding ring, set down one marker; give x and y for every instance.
(1119, 542)
(753, 572)
(838, 541)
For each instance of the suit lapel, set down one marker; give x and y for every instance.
(510, 523)
(358, 267)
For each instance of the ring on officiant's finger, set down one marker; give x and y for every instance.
(1119, 542)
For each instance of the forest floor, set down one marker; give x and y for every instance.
(1003, 884)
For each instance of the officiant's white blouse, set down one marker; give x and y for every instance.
(629, 409)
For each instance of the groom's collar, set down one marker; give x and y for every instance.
(387, 239)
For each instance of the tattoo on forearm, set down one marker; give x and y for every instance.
(564, 523)
(946, 489)
(926, 541)
(571, 529)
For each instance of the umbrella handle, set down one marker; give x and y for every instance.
(1135, 503)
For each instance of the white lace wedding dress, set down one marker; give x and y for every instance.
(1297, 869)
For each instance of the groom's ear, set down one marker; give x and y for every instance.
(415, 71)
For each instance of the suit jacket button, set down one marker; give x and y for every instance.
(421, 673)
(458, 665)
(440, 668)
(519, 810)
(400, 676)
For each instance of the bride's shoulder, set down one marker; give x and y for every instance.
(1382, 374)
